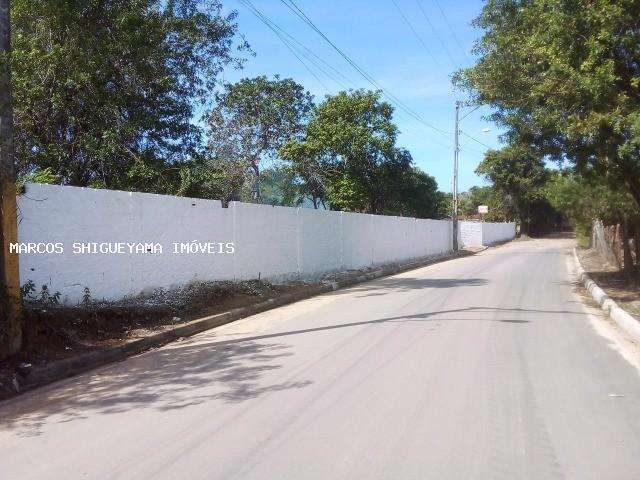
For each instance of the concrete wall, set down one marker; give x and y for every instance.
(270, 242)
(476, 234)
(497, 232)
(469, 234)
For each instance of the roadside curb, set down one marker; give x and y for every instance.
(73, 366)
(622, 318)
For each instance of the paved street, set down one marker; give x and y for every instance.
(485, 367)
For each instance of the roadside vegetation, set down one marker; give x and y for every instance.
(142, 107)
(130, 95)
(563, 80)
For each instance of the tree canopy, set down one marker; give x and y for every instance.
(564, 76)
(499, 209)
(122, 111)
(106, 89)
(519, 175)
(349, 153)
(254, 117)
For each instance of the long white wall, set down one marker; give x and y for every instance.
(270, 242)
(476, 234)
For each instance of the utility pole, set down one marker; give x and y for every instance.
(456, 149)
(10, 304)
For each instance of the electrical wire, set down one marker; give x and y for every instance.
(291, 5)
(307, 52)
(314, 59)
(415, 33)
(247, 4)
(474, 139)
(453, 33)
(433, 28)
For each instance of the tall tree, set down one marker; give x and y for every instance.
(519, 174)
(499, 210)
(10, 319)
(254, 117)
(107, 89)
(565, 76)
(583, 200)
(352, 138)
(406, 190)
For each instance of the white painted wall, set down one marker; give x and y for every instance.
(476, 234)
(469, 234)
(270, 242)
(497, 232)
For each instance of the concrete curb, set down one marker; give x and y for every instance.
(69, 367)
(624, 320)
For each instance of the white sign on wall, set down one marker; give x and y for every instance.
(483, 209)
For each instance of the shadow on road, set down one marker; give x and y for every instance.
(417, 317)
(196, 371)
(180, 375)
(390, 285)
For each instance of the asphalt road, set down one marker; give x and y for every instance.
(485, 367)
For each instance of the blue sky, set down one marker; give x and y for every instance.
(414, 68)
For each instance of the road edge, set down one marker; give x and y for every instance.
(67, 368)
(621, 317)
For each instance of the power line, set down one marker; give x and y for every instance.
(291, 5)
(307, 51)
(465, 148)
(314, 59)
(287, 44)
(415, 33)
(470, 112)
(474, 139)
(453, 33)
(444, 45)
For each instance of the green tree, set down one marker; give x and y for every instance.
(565, 76)
(519, 175)
(280, 187)
(409, 191)
(349, 149)
(307, 175)
(444, 205)
(489, 196)
(106, 89)
(254, 117)
(583, 200)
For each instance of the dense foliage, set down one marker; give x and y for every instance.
(564, 76)
(349, 158)
(253, 118)
(105, 90)
(499, 210)
(518, 176)
(110, 94)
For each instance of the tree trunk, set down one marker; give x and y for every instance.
(10, 313)
(255, 190)
(634, 188)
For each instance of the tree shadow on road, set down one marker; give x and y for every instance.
(201, 370)
(419, 317)
(180, 375)
(390, 285)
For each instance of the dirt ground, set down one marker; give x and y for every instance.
(53, 332)
(624, 291)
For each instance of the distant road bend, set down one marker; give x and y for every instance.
(484, 367)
